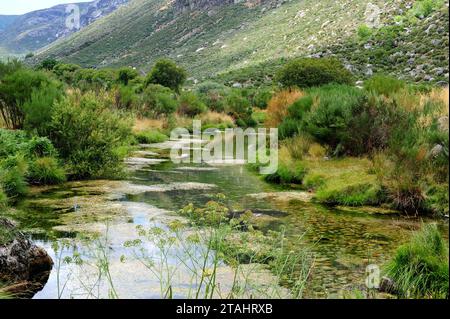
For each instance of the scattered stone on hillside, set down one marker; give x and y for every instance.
(22, 264)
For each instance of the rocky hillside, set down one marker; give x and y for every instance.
(221, 37)
(6, 20)
(34, 30)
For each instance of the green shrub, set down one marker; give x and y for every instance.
(127, 74)
(287, 173)
(308, 72)
(88, 134)
(214, 100)
(437, 200)
(12, 178)
(11, 142)
(213, 95)
(385, 85)
(158, 100)
(190, 104)
(292, 124)
(126, 97)
(3, 197)
(48, 64)
(331, 120)
(262, 97)
(45, 171)
(208, 86)
(40, 147)
(9, 67)
(364, 32)
(420, 267)
(423, 8)
(240, 109)
(15, 90)
(166, 73)
(148, 137)
(38, 109)
(66, 72)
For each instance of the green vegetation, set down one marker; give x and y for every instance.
(166, 73)
(26, 160)
(147, 137)
(420, 268)
(242, 244)
(89, 135)
(398, 127)
(305, 73)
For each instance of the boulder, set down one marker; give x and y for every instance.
(23, 265)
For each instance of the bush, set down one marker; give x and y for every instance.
(332, 118)
(3, 197)
(298, 146)
(148, 137)
(423, 8)
(125, 75)
(262, 98)
(166, 73)
(290, 171)
(48, 64)
(240, 109)
(208, 86)
(159, 100)
(291, 122)
(38, 109)
(308, 72)
(15, 90)
(40, 147)
(66, 72)
(364, 32)
(420, 267)
(126, 97)
(278, 105)
(88, 134)
(190, 105)
(45, 171)
(385, 85)
(12, 176)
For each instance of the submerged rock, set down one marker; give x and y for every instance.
(23, 265)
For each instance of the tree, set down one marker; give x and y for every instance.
(126, 75)
(166, 73)
(48, 64)
(309, 72)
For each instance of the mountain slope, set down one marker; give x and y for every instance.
(212, 37)
(37, 29)
(6, 20)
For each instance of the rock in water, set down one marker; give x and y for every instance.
(23, 265)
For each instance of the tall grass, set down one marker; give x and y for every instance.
(420, 267)
(277, 107)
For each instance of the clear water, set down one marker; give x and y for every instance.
(343, 243)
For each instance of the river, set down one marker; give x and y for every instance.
(343, 241)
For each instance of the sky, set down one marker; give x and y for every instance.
(23, 6)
